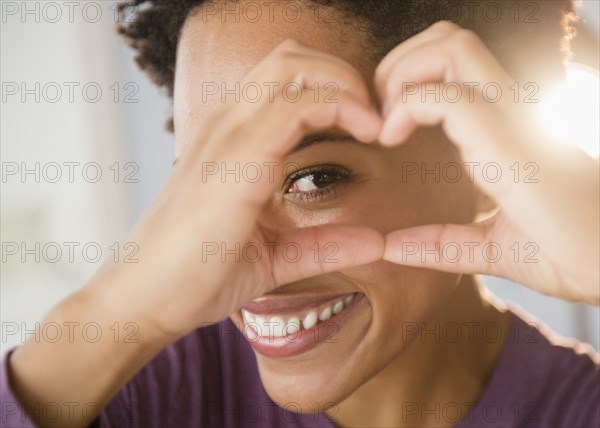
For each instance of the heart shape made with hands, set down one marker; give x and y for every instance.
(557, 213)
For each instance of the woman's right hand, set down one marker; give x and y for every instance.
(179, 282)
(176, 286)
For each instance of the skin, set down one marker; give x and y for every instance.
(169, 293)
(218, 51)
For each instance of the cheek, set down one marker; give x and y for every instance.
(387, 204)
(402, 297)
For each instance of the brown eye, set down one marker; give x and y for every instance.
(314, 181)
(317, 182)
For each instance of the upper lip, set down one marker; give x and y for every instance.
(292, 303)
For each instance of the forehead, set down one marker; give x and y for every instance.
(221, 41)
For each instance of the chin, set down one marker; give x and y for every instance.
(328, 372)
(318, 341)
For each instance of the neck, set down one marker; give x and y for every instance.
(439, 376)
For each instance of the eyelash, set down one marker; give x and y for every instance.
(340, 176)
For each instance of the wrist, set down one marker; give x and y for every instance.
(127, 304)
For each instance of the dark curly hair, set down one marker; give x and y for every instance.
(530, 39)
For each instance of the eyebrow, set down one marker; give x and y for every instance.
(321, 138)
(315, 139)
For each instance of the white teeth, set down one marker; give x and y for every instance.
(293, 326)
(338, 307)
(326, 314)
(247, 317)
(348, 300)
(261, 328)
(310, 320)
(279, 326)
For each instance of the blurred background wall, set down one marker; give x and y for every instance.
(74, 104)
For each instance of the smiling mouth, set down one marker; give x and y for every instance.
(291, 322)
(279, 327)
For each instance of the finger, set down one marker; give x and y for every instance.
(436, 31)
(348, 113)
(298, 53)
(461, 57)
(274, 129)
(473, 249)
(293, 63)
(291, 69)
(463, 249)
(476, 126)
(289, 122)
(468, 119)
(563, 182)
(307, 252)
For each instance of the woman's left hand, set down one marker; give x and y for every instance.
(545, 234)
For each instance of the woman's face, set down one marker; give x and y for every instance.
(344, 182)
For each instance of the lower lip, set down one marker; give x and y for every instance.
(304, 340)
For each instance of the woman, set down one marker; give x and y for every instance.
(332, 159)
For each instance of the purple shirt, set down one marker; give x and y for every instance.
(210, 379)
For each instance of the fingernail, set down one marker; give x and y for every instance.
(385, 108)
(386, 137)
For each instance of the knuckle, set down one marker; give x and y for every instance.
(383, 69)
(467, 41)
(283, 59)
(279, 66)
(445, 26)
(289, 44)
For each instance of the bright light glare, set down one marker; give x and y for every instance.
(571, 111)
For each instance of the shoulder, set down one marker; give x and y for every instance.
(541, 379)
